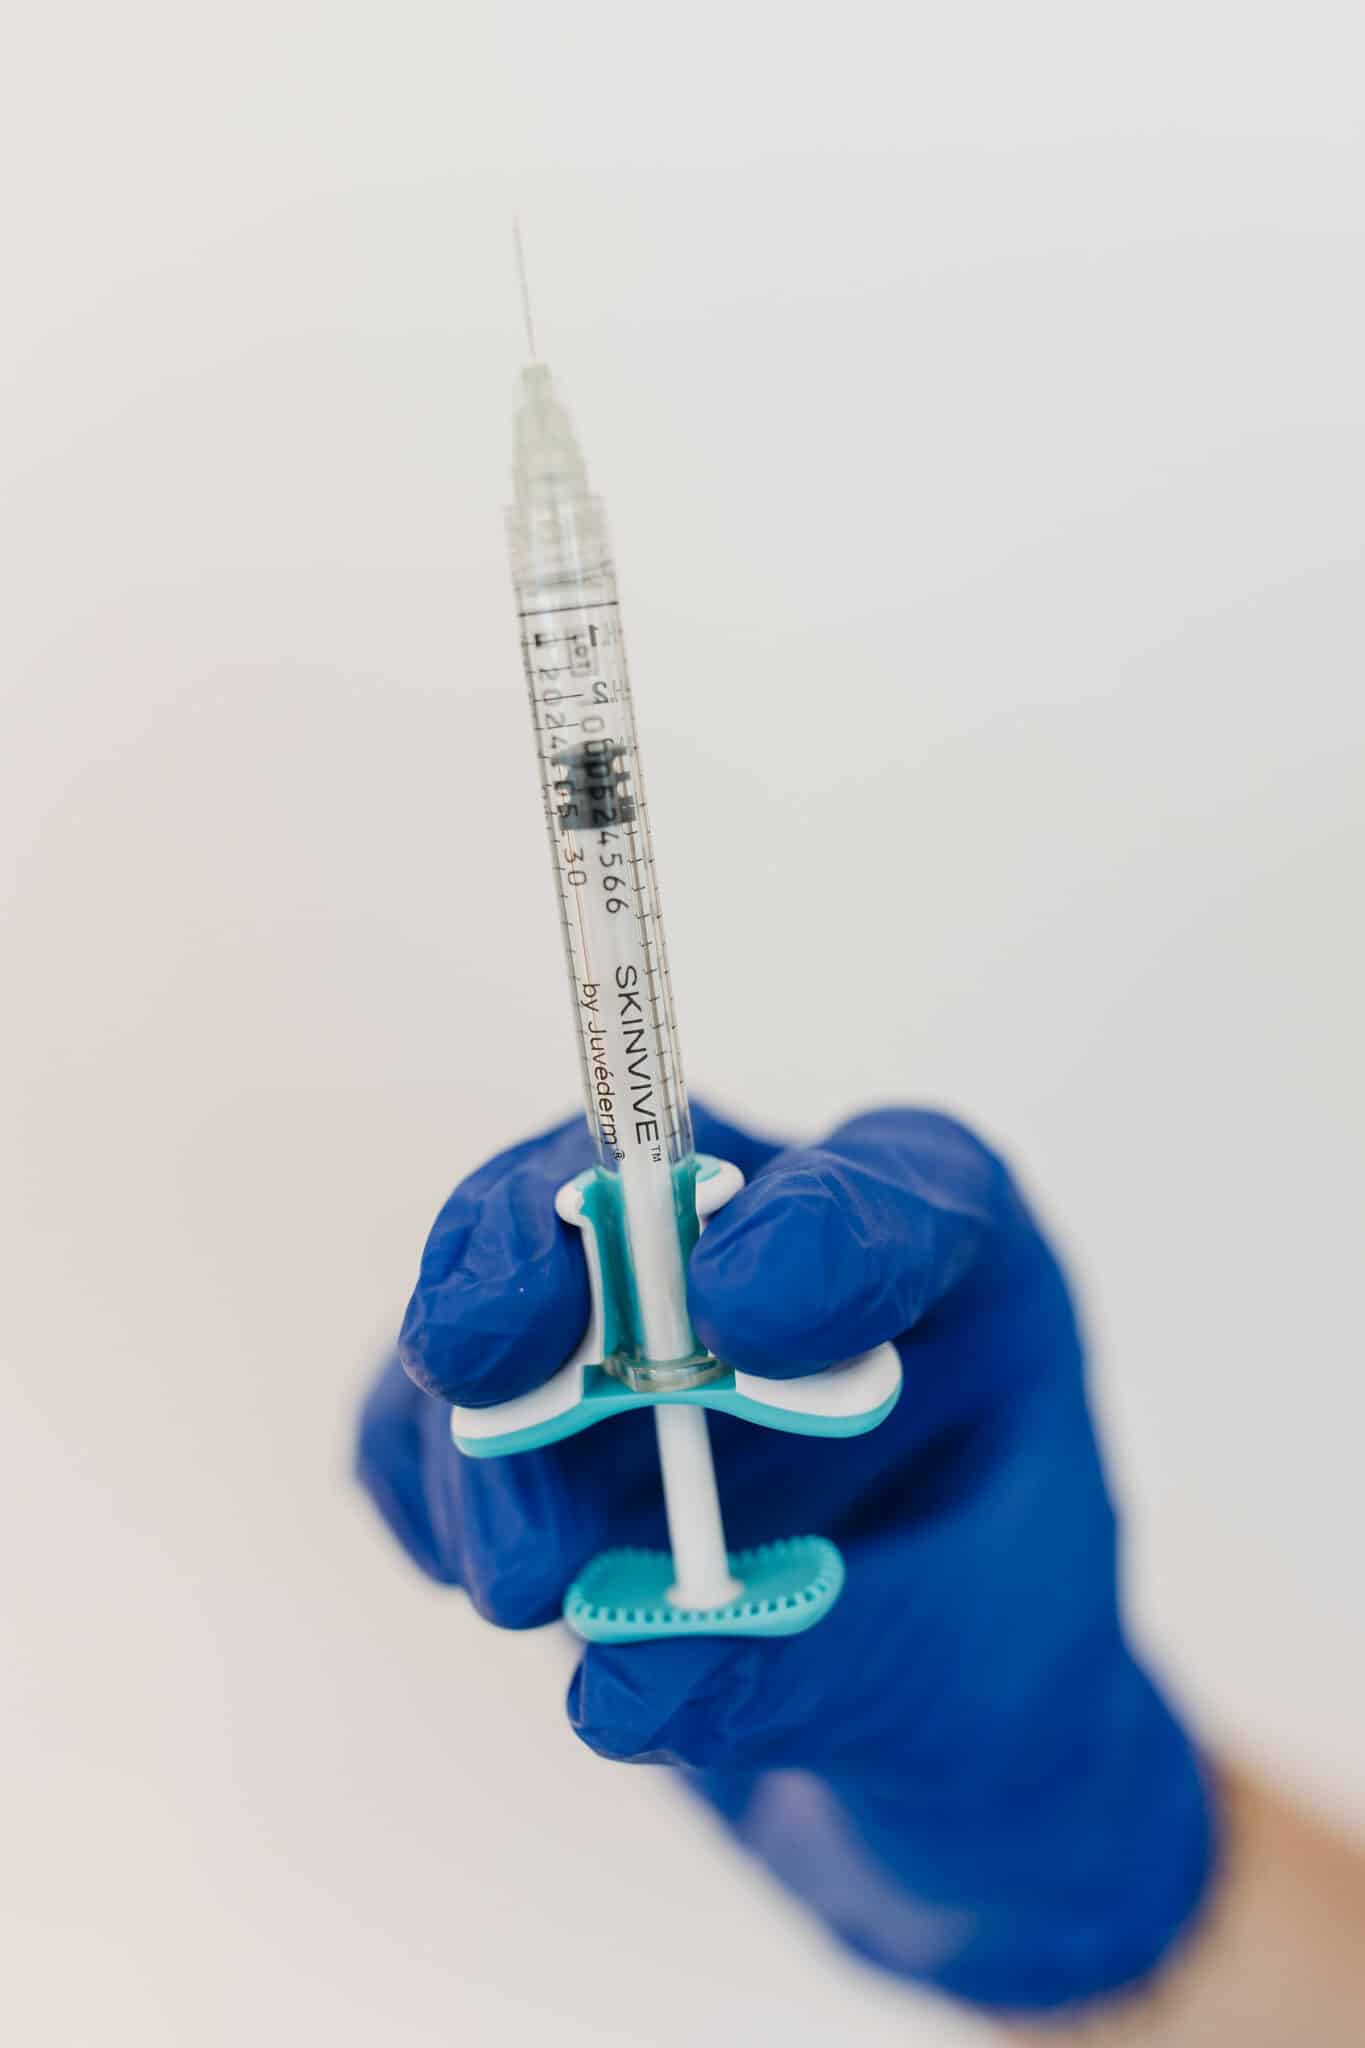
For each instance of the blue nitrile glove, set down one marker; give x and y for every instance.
(963, 1770)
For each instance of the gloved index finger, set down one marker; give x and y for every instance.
(841, 1246)
(502, 1295)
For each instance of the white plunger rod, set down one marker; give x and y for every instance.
(701, 1570)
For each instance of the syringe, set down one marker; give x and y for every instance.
(598, 823)
(638, 1207)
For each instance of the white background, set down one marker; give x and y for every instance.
(977, 394)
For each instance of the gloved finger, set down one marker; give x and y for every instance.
(512, 1531)
(502, 1294)
(837, 1247)
(723, 1703)
(389, 1460)
(518, 1530)
(871, 1687)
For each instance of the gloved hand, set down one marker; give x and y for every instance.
(963, 1770)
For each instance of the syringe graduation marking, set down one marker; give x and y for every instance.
(550, 611)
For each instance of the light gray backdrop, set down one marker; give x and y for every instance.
(977, 394)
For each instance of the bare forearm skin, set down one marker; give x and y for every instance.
(1278, 1960)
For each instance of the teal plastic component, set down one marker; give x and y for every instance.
(622, 1596)
(603, 1395)
(603, 1214)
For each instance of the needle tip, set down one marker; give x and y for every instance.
(525, 289)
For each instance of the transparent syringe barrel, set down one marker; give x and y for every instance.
(597, 820)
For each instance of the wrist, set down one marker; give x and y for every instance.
(1276, 1957)
(1068, 1877)
(1071, 1880)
